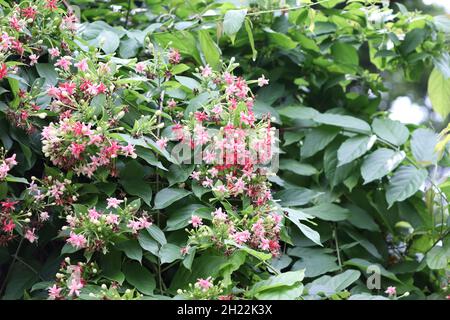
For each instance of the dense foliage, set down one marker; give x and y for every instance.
(212, 150)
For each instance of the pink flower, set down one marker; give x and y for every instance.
(391, 291)
(75, 287)
(30, 236)
(217, 109)
(219, 214)
(140, 67)
(44, 216)
(206, 71)
(174, 56)
(93, 214)
(265, 244)
(77, 241)
(204, 284)
(54, 52)
(76, 149)
(33, 59)
(112, 219)
(241, 237)
(54, 292)
(82, 65)
(64, 63)
(129, 151)
(113, 203)
(162, 143)
(262, 81)
(195, 175)
(171, 103)
(11, 161)
(196, 221)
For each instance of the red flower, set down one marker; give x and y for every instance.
(9, 205)
(29, 12)
(3, 71)
(8, 227)
(51, 4)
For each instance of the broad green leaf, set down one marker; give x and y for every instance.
(345, 122)
(157, 234)
(392, 131)
(233, 20)
(188, 82)
(316, 264)
(312, 235)
(167, 196)
(210, 50)
(438, 258)
(302, 169)
(364, 264)
(333, 173)
(131, 248)
(379, 163)
(345, 53)
(132, 180)
(298, 112)
(280, 40)
(169, 253)
(354, 148)
(439, 93)
(423, 143)
(284, 279)
(296, 196)
(412, 40)
(328, 212)
(317, 139)
(406, 181)
(139, 277)
(179, 218)
(147, 242)
(47, 71)
(109, 41)
(331, 3)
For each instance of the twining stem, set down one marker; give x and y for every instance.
(336, 242)
(128, 12)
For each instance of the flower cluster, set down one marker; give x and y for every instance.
(28, 29)
(72, 144)
(71, 279)
(234, 148)
(204, 289)
(256, 227)
(94, 229)
(51, 191)
(6, 164)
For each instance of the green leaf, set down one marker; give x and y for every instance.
(109, 41)
(302, 169)
(406, 181)
(179, 173)
(111, 264)
(47, 71)
(157, 234)
(132, 180)
(331, 3)
(423, 143)
(333, 173)
(312, 235)
(188, 82)
(169, 253)
(140, 278)
(315, 262)
(10, 178)
(379, 163)
(345, 122)
(295, 196)
(210, 50)
(438, 258)
(284, 279)
(328, 212)
(167, 196)
(412, 40)
(392, 131)
(131, 248)
(280, 40)
(345, 53)
(331, 285)
(179, 218)
(364, 264)
(233, 20)
(147, 242)
(317, 139)
(354, 148)
(251, 40)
